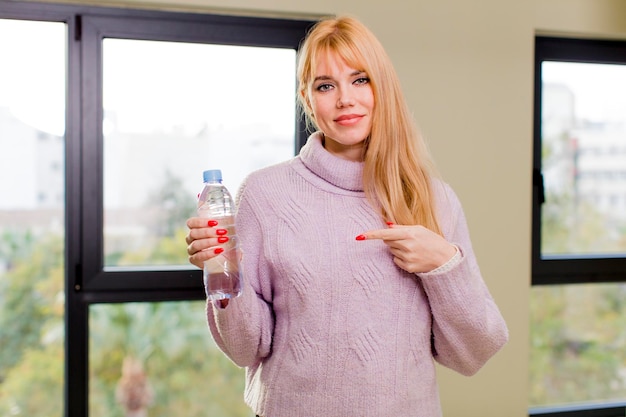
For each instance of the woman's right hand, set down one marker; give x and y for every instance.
(204, 239)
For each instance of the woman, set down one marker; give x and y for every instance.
(359, 270)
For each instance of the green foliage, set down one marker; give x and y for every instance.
(577, 343)
(183, 365)
(31, 327)
(28, 299)
(168, 250)
(577, 339)
(34, 387)
(175, 204)
(575, 227)
(15, 246)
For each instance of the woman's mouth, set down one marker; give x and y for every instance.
(348, 119)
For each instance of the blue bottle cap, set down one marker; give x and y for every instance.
(212, 175)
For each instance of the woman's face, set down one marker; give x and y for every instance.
(342, 101)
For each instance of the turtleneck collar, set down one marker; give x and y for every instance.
(339, 172)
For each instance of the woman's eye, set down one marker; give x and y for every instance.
(324, 87)
(362, 80)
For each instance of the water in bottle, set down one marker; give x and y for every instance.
(222, 278)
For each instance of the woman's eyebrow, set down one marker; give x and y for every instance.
(322, 78)
(327, 77)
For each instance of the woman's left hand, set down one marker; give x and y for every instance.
(415, 249)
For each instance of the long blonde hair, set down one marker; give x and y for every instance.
(397, 165)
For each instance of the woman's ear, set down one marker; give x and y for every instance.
(305, 98)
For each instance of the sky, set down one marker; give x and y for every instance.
(149, 88)
(600, 89)
(33, 95)
(149, 84)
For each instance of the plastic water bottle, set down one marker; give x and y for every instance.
(222, 278)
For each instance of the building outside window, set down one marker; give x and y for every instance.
(578, 299)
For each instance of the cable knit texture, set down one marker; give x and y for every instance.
(330, 326)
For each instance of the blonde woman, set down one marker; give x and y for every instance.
(359, 269)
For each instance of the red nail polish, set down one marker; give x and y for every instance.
(217, 251)
(212, 223)
(222, 239)
(361, 237)
(389, 223)
(221, 232)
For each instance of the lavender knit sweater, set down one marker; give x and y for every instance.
(330, 326)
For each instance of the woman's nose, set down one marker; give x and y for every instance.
(345, 99)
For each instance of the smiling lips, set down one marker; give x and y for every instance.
(348, 119)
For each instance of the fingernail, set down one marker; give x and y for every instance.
(389, 223)
(217, 251)
(360, 237)
(221, 232)
(222, 239)
(212, 223)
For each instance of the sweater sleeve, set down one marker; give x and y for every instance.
(243, 330)
(468, 328)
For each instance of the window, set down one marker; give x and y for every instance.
(146, 101)
(172, 110)
(578, 299)
(32, 107)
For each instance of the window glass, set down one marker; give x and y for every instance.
(578, 344)
(173, 110)
(158, 359)
(32, 125)
(583, 159)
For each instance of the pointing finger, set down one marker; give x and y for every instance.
(383, 234)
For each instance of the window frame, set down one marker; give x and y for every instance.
(570, 269)
(604, 410)
(215, 29)
(86, 281)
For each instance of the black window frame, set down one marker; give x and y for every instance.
(86, 280)
(570, 269)
(216, 29)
